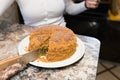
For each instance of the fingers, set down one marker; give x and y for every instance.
(92, 3)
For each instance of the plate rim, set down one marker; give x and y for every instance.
(74, 58)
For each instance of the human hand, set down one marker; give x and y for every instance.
(92, 3)
(11, 70)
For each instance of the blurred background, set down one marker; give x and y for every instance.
(102, 23)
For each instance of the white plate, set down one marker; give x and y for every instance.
(74, 58)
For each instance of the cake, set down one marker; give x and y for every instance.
(55, 42)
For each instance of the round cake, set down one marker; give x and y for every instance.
(55, 42)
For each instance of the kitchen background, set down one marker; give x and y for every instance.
(11, 14)
(98, 23)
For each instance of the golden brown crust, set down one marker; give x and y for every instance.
(60, 42)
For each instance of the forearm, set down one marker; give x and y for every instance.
(74, 8)
(4, 4)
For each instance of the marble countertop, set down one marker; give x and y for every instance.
(84, 69)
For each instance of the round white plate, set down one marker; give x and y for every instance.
(74, 58)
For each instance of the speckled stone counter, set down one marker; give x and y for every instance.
(84, 69)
